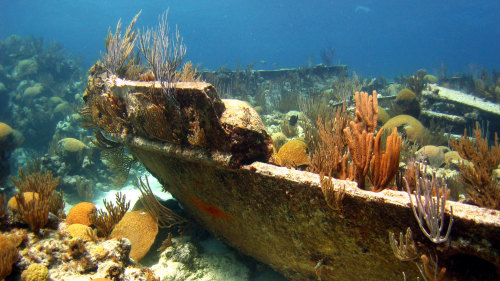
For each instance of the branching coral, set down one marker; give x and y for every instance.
(334, 195)
(330, 156)
(359, 135)
(35, 212)
(165, 217)
(119, 164)
(106, 220)
(417, 83)
(384, 165)
(429, 207)
(8, 256)
(405, 249)
(483, 189)
(163, 53)
(118, 48)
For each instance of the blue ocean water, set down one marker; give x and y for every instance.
(372, 37)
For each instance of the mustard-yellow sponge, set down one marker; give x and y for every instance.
(35, 272)
(140, 229)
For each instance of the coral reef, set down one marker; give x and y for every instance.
(9, 140)
(35, 212)
(40, 78)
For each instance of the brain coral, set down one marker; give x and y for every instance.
(80, 231)
(36, 272)
(413, 129)
(405, 95)
(431, 78)
(140, 229)
(293, 154)
(407, 103)
(72, 145)
(33, 91)
(26, 67)
(80, 213)
(383, 116)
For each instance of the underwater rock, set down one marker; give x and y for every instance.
(183, 261)
(74, 259)
(249, 138)
(434, 155)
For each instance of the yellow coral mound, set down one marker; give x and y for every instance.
(36, 272)
(383, 115)
(140, 229)
(413, 129)
(293, 154)
(80, 213)
(72, 145)
(33, 91)
(28, 197)
(77, 230)
(5, 131)
(405, 95)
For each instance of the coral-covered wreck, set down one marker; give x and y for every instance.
(213, 156)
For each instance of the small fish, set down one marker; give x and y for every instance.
(361, 9)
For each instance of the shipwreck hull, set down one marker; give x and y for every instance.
(209, 161)
(280, 217)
